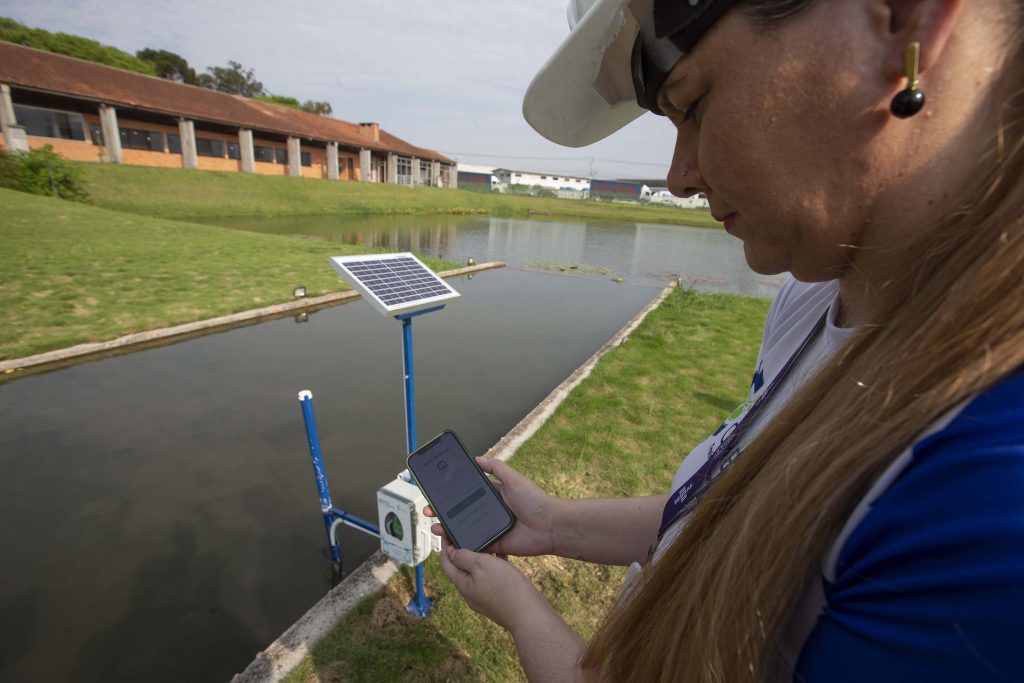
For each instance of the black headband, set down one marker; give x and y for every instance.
(679, 22)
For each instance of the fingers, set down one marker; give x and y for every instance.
(450, 569)
(498, 468)
(429, 512)
(438, 530)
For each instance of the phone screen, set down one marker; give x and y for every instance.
(471, 511)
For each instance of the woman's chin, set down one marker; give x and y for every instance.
(765, 261)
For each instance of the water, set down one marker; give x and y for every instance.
(640, 253)
(158, 513)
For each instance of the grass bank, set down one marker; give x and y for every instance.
(622, 432)
(71, 273)
(177, 193)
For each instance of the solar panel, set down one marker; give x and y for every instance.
(394, 283)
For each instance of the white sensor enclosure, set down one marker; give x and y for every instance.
(404, 530)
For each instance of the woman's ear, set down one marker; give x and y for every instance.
(901, 22)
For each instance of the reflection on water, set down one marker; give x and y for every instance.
(158, 511)
(643, 253)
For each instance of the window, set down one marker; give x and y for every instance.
(142, 139)
(174, 143)
(424, 172)
(50, 123)
(264, 153)
(208, 147)
(306, 158)
(404, 168)
(543, 177)
(234, 151)
(281, 155)
(96, 132)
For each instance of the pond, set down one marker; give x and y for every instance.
(158, 511)
(641, 253)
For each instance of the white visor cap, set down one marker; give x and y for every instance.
(585, 92)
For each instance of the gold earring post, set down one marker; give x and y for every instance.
(912, 62)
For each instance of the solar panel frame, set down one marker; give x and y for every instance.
(394, 283)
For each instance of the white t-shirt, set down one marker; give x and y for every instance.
(792, 317)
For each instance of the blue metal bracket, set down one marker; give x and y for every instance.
(424, 311)
(330, 513)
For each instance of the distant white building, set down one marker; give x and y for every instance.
(553, 181)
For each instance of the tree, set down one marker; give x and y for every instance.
(169, 65)
(72, 46)
(320, 107)
(282, 100)
(233, 78)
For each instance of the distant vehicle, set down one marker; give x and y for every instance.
(698, 201)
(470, 180)
(619, 189)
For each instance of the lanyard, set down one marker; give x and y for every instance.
(686, 497)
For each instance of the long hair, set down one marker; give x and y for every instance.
(718, 603)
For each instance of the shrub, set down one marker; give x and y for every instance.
(41, 171)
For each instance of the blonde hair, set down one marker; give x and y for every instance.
(716, 606)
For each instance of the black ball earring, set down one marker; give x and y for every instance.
(908, 102)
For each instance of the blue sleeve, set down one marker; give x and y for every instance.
(930, 585)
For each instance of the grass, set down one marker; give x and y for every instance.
(180, 193)
(71, 273)
(622, 432)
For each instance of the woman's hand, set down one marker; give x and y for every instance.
(534, 509)
(492, 586)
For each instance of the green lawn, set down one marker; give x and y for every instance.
(622, 432)
(177, 193)
(71, 273)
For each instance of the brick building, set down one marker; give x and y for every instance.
(91, 112)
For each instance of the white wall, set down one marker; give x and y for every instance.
(549, 180)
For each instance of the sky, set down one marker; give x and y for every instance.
(448, 75)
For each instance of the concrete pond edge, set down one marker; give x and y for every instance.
(285, 653)
(166, 335)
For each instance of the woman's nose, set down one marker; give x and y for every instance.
(684, 178)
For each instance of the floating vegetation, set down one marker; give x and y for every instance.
(567, 267)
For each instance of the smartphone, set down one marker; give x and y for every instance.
(462, 497)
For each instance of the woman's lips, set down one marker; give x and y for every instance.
(727, 220)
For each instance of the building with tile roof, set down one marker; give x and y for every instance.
(92, 112)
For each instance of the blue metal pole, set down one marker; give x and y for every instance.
(420, 604)
(410, 385)
(306, 401)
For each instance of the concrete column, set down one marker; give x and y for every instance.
(111, 133)
(453, 176)
(294, 160)
(392, 169)
(332, 160)
(15, 139)
(248, 154)
(414, 172)
(435, 174)
(14, 135)
(187, 133)
(365, 172)
(7, 118)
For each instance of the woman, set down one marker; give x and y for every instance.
(863, 517)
